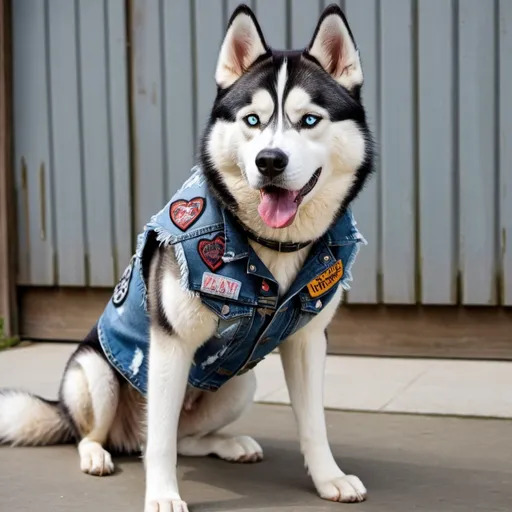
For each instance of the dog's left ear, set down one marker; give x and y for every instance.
(333, 46)
(242, 46)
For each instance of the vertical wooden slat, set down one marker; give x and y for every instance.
(363, 19)
(436, 151)
(505, 155)
(272, 17)
(231, 5)
(66, 119)
(342, 3)
(209, 30)
(397, 139)
(477, 151)
(149, 166)
(304, 17)
(8, 307)
(95, 132)
(32, 143)
(179, 107)
(120, 171)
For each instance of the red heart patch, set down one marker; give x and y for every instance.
(211, 252)
(185, 213)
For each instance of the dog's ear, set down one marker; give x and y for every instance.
(333, 46)
(242, 46)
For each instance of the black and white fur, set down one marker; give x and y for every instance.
(96, 407)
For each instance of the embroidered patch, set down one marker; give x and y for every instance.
(211, 252)
(220, 286)
(326, 280)
(185, 213)
(122, 287)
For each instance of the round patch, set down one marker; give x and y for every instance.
(122, 287)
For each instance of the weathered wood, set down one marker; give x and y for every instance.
(479, 333)
(8, 309)
(60, 314)
(428, 331)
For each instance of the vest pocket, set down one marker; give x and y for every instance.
(234, 324)
(227, 310)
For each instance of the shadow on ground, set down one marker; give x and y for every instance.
(408, 463)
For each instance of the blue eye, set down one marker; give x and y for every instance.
(309, 120)
(252, 120)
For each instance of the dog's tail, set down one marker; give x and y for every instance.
(28, 420)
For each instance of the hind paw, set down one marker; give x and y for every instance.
(241, 449)
(94, 460)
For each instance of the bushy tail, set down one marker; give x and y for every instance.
(28, 420)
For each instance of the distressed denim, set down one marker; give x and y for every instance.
(253, 317)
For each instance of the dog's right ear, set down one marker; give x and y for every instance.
(242, 46)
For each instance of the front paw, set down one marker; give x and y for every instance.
(165, 505)
(94, 459)
(345, 489)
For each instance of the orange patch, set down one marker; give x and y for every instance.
(326, 280)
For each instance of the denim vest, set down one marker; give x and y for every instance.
(219, 266)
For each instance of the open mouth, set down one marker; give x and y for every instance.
(278, 206)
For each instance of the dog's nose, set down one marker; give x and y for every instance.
(271, 162)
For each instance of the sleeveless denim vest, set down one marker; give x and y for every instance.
(218, 265)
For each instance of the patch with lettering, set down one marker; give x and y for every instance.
(122, 287)
(211, 252)
(221, 286)
(185, 213)
(325, 281)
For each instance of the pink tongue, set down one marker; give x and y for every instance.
(278, 207)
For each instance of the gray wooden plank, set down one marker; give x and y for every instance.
(31, 144)
(149, 165)
(362, 17)
(436, 152)
(118, 102)
(304, 17)
(179, 107)
(95, 133)
(272, 18)
(505, 134)
(66, 118)
(397, 138)
(342, 3)
(209, 32)
(477, 144)
(231, 5)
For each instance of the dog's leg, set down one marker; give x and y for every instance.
(90, 393)
(197, 428)
(170, 359)
(303, 357)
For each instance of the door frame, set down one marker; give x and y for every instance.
(8, 245)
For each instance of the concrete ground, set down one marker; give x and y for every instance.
(429, 464)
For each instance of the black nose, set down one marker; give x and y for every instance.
(271, 162)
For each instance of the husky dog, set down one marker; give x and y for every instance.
(251, 254)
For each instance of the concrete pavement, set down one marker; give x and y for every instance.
(428, 464)
(407, 462)
(371, 384)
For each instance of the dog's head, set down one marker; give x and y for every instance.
(287, 146)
